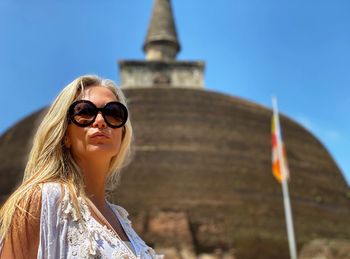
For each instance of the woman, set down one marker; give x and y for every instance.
(60, 209)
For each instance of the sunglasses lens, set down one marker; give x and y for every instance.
(115, 114)
(83, 113)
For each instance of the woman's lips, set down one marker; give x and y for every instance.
(99, 135)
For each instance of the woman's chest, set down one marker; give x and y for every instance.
(92, 240)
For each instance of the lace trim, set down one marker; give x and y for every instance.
(85, 236)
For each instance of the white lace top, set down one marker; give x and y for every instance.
(63, 235)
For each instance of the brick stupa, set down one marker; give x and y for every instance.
(201, 180)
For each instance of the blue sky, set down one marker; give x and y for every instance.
(297, 50)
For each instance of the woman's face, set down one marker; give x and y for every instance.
(97, 141)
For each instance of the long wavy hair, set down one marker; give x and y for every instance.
(50, 161)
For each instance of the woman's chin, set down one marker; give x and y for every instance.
(102, 149)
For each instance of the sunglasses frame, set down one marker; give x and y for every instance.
(71, 113)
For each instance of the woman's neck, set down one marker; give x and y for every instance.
(94, 175)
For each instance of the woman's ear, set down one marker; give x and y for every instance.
(66, 142)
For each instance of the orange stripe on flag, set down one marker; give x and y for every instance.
(276, 160)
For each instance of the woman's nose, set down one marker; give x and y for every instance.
(99, 121)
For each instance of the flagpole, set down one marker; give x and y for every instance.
(286, 200)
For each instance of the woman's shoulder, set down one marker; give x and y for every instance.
(35, 194)
(52, 188)
(53, 194)
(57, 199)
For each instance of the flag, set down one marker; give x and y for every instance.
(277, 144)
(281, 172)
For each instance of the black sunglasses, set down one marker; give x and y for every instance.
(83, 113)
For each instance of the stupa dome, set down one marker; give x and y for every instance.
(203, 164)
(201, 180)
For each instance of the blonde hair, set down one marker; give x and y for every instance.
(50, 161)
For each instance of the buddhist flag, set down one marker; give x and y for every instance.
(279, 159)
(281, 172)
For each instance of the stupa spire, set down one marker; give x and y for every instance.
(161, 69)
(161, 42)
